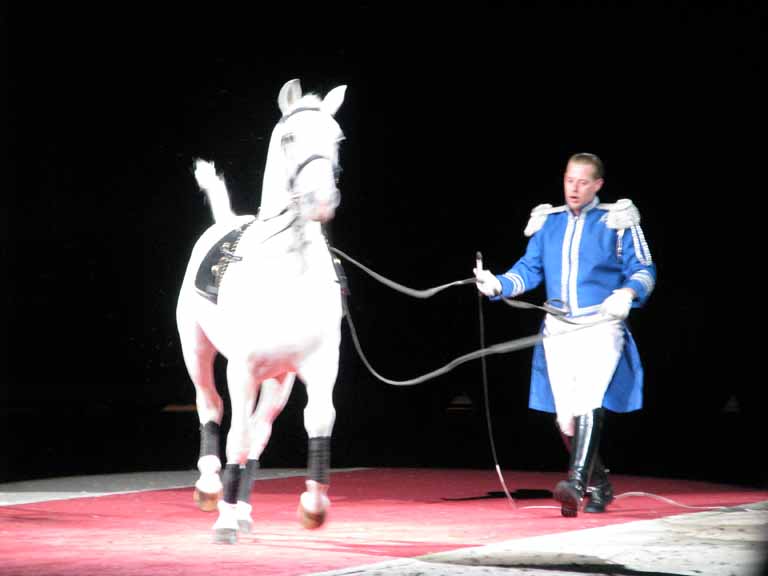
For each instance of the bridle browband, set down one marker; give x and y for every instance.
(300, 109)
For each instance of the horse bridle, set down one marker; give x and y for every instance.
(293, 206)
(307, 161)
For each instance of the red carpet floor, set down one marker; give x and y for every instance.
(376, 515)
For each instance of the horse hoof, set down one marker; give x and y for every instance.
(311, 520)
(244, 526)
(225, 536)
(205, 501)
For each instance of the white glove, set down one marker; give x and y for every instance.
(205, 174)
(618, 304)
(487, 283)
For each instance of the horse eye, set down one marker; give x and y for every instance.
(287, 140)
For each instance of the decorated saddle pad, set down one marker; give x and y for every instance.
(214, 265)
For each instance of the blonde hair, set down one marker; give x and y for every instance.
(587, 158)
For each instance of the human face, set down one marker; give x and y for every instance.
(580, 185)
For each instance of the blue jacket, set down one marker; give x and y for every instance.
(581, 260)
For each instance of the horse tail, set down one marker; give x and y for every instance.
(215, 190)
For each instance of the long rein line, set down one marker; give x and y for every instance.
(428, 293)
(500, 348)
(551, 306)
(487, 402)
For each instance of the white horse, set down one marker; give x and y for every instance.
(263, 291)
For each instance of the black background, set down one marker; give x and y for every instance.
(458, 121)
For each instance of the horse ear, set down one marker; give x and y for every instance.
(333, 99)
(289, 94)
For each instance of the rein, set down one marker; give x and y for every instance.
(399, 287)
(502, 348)
(290, 224)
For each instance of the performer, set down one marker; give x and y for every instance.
(594, 259)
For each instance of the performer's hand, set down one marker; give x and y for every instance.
(205, 174)
(487, 283)
(618, 304)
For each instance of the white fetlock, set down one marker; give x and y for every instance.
(209, 483)
(313, 505)
(209, 464)
(244, 519)
(225, 528)
(227, 516)
(208, 491)
(314, 500)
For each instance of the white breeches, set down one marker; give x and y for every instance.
(580, 363)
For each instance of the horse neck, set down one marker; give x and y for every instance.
(275, 195)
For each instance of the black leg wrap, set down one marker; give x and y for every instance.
(231, 480)
(248, 474)
(319, 460)
(209, 439)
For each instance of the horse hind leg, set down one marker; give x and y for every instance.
(273, 395)
(242, 393)
(226, 526)
(199, 355)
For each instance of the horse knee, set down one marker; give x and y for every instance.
(238, 446)
(260, 434)
(319, 419)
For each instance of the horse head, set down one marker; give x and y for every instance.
(303, 157)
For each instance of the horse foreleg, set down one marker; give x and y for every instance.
(314, 501)
(199, 355)
(273, 395)
(242, 394)
(319, 375)
(208, 488)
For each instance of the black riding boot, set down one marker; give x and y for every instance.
(600, 491)
(584, 446)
